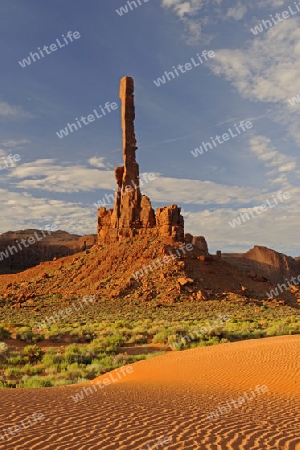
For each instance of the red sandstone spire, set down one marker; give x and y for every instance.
(133, 213)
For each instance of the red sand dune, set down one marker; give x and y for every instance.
(172, 396)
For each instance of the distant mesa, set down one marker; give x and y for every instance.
(265, 264)
(55, 245)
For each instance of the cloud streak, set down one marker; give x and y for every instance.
(14, 112)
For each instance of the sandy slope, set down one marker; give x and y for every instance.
(172, 396)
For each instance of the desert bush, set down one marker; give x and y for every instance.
(29, 370)
(25, 334)
(50, 359)
(32, 353)
(139, 329)
(152, 331)
(4, 351)
(120, 359)
(212, 341)
(257, 334)
(56, 337)
(14, 359)
(72, 354)
(52, 370)
(81, 380)
(92, 371)
(7, 384)
(4, 334)
(13, 372)
(162, 337)
(74, 372)
(105, 363)
(109, 344)
(138, 339)
(172, 338)
(83, 334)
(34, 382)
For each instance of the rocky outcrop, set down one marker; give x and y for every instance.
(272, 265)
(170, 222)
(132, 213)
(200, 243)
(265, 264)
(20, 250)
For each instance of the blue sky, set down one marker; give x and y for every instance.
(250, 78)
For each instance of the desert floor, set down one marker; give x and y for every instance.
(170, 398)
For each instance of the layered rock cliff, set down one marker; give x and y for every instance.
(264, 264)
(271, 264)
(20, 250)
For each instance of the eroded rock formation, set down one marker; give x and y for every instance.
(132, 213)
(272, 265)
(262, 263)
(45, 248)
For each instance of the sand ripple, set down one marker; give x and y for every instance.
(172, 395)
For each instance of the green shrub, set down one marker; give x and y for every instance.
(172, 338)
(4, 334)
(13, 372)
(32, 353)
(25, 334)
(52, 370)
(83, 334)
(29, 370)
(120, 359)
(14, 359)
(105, 362)
(138, 339)
(4, 351)
(162, 337)
(72, 354)
(212, 341)
(109, 344)
(34, 382)
(74, 372)
(50, 359)
(7, 384)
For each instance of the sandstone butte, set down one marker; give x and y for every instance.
(132, 214)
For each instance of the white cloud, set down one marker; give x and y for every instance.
(99, 162)
(13, 112)
(270, 3)
(7, 161)
(15, 143)
(20, 211)
(276, 227)
(237, 12)
(46, 175)
(280, 164)
(184, 7)
(165, 189)
(197, 14)
(187, 11)
(267, 69)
